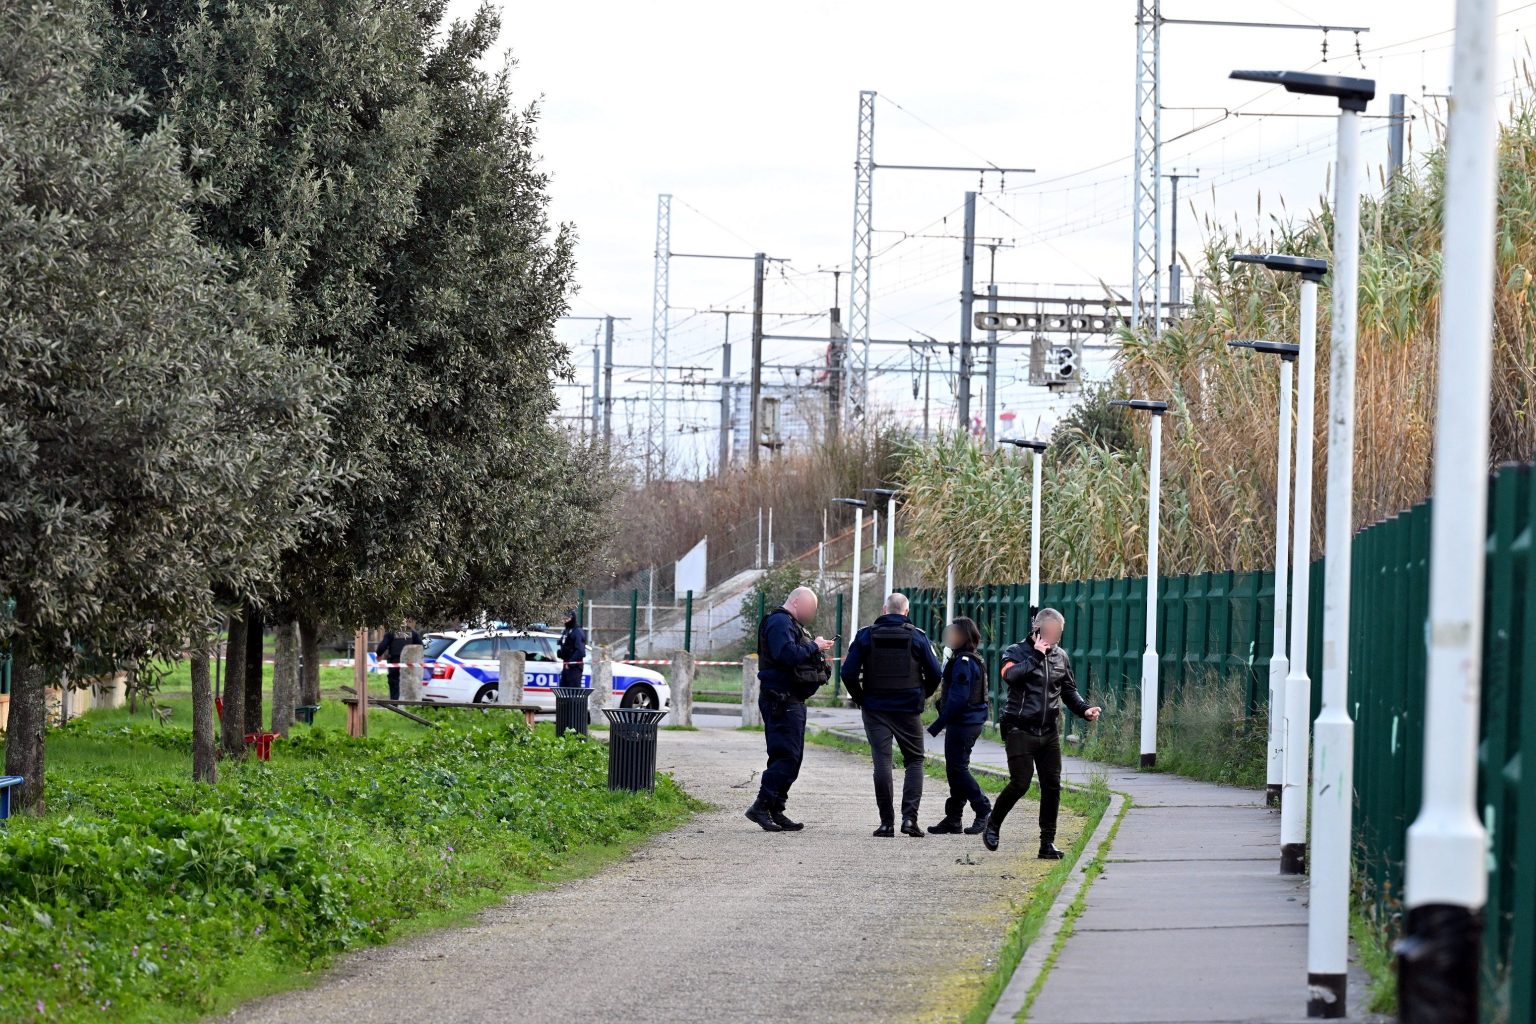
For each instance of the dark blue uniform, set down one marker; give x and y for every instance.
(572, 652)
(783, 645)
(889, 671)
(962, 714)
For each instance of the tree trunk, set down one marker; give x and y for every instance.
(234, 688)
(254, 627)
(27, 730)
(205, 750)
(285, 676)
(309, 661)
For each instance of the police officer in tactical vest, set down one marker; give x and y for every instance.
(791, 667)
(890, 670)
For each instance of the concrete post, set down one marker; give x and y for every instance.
(602, 686)
(681, 712)
(410, 671)
(750, 715)
(511, 672)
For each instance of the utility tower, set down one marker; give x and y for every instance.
(1146, 198)
(863, 246)
(656, 395)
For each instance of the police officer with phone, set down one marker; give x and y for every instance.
(791, 667)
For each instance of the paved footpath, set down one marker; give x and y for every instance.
(1191, 921)
(716, 921)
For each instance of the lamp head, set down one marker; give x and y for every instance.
(1310, 269)
(1024, 442)
(1150, 405)
(884, 492)
(1352, 93)
(855, 502)
(1282, 349)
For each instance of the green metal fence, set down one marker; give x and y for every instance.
(1219, 626)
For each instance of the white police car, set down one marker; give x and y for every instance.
(463, 666)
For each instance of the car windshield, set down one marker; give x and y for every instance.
(436, 645)
(538, 648)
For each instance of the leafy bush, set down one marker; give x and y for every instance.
(772, 587)
(138, 897)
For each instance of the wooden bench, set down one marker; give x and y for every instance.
(8, 783)
(354, 723)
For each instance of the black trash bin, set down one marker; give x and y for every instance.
(632, 748)
(306, 713)
(571, 708)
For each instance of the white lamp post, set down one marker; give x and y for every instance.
(889, 494)
(1279, 665)
(858, 551)
(1447, 883)
(1333, 782)
(1038, 447)
(1149, 665)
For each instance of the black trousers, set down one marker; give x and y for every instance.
(907, 730)
(1029, 754)
(959, 741)
(784, 732)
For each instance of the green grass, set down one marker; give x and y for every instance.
(143, 896)
(1090, 803)
(1374, 946)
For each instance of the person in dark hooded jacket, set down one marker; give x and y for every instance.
(889, 671)
(1039, 677)
(962, 709)
(572, 650)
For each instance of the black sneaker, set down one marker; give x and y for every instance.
(762, 817)
(947, 827)
(784, 823)
(909, 827)
(1048, 851)
(885, 831)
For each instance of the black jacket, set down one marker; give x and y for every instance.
(573, 642)
(1038, 684)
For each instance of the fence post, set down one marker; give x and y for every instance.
(681, 712)
(511, 668)
(602, 686)
(410, 671)
(688, 622)
(634, 620)
(750, 715)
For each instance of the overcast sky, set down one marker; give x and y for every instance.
(746, 114)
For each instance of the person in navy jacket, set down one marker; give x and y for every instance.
(962, 709)
(791, 667)
(889, 671)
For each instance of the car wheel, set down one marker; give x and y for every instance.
(487, 694)
(639, 696)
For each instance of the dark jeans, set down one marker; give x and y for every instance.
(571, 675)
(394, 684)
(963, 787)
(906, 728)
(1027, 754)
(784, 729)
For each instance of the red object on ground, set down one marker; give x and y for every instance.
(262, 741)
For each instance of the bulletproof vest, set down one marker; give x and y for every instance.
(979, 684)
(891, 665)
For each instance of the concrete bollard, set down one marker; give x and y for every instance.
(410, 673)
(681, 712)
(602, 686)
(511, 672)
(750, 715)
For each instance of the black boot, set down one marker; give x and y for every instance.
(1048, 850)
(909, 827)
(980, 824)
(885, 831)
(784, 823)
(989, 836)
(950, 826)
(761, 815)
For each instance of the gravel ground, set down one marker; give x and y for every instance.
(717, 920)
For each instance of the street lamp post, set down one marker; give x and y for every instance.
(1149, 665)
(889, 493)
(1289, 734)
(1038, 447)
(858, 551)
(1279, 665)
(1447, 882)
(1333, 782)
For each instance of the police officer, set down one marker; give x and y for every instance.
(962, 714)
(890, 670)
(572, 650)
(392, 648)
(1039, 678)
(791, 667)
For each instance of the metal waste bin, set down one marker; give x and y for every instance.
(571, 708)
(632, 748)
(306, 713)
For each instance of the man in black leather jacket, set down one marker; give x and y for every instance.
(1039, 677)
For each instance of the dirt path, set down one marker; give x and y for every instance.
(717, 921)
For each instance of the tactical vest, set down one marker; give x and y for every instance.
(978, 693)
(891, 665)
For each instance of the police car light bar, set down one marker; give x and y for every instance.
(1310, 269)
(1285, 351)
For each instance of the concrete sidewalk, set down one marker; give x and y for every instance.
(1191, 921)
